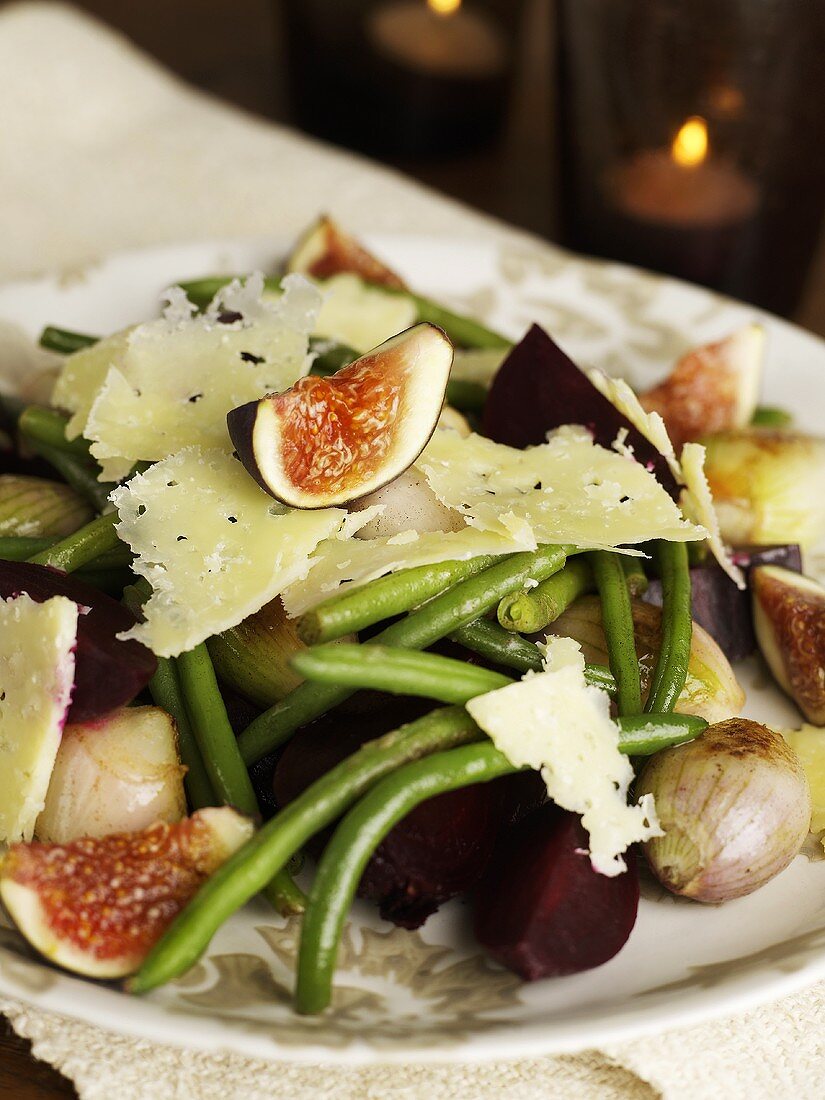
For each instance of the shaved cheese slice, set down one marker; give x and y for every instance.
(568, 490)
(212, 544)
(338, 567)
(555, 722)
(155, 388)
(37, 663)
(650, 424)
(360, 315)
(697, 502)
(82, 378)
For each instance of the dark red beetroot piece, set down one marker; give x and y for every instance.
(539, 388)
(719, 606)
(542, 911)
(108, 673)
(438, 851)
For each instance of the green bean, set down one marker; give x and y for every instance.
(254, 865)
(407, 672)
(330, 356)
(212, 731)
(466, 396)
(533, 609)
(165, 690)
(617, 620)
(767, 416)
(82, 547)
(41, 425)
(23, 547)
(399, 671)
(215, 739)
(78, 473)
(498, 645)
(670, 671)
(462, 330)
(494, 643)
(354, 843)
(435, 620)
(634, 575)
(645, 734)
(65, 341)
(383, 599)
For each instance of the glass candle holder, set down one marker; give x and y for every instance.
(692, 138)
(401, 77)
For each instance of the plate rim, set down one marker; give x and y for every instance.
(505, 1040)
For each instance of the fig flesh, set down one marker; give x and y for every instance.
(711, 389)
(326, 250)
(330, 441)
(789, 616)
(97, 905)
(538, 388)
(542, 911)
(109, 672)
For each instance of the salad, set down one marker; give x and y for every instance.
(312, 588)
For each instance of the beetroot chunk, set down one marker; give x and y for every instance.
(108, 673)
(719, 606)
(439, 850)
(539, 388)
(542, 911)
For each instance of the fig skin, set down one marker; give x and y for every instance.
(438, 851)
(109, 673)
(542, 911)
(789, 615)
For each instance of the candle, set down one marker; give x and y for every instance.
(680, 209)
(439, 38)
(683, 185)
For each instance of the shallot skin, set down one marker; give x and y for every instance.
(735, 807)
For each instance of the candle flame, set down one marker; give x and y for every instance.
(443, 7)
(690, 146)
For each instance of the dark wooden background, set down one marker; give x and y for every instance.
(233, 49)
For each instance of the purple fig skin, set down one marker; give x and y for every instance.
(240, 423)
(542, 911)
(108, 673)
(438, 851)
(539, 388)
(719, 606)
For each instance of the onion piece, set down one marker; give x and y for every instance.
(735, 808)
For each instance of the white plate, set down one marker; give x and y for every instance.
(431, 995)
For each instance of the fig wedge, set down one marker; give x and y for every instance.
(329, 441)
(789, 617)
(542, 911)
(98, 905)
(711, 389)
(326, 250)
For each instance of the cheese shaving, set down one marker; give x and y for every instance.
(555, 722)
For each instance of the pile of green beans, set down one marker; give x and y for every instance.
(248, 871)
(422, 628)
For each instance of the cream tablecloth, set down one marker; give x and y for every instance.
(101, 150)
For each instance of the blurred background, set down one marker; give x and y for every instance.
(689, 138)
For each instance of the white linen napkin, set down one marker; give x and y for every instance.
(102, 150)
